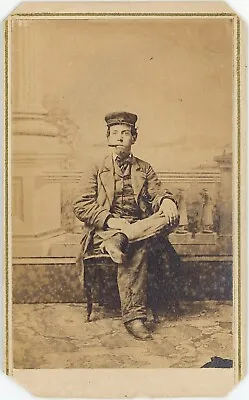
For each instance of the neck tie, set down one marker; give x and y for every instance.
(123, 163)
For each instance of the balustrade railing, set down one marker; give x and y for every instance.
(203, 204)
(197, 194)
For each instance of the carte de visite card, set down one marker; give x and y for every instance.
(124, 199)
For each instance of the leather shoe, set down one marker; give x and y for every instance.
(137, 329)
(115, 246)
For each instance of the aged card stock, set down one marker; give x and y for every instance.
(124, 199)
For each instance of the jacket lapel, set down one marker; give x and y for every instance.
(106, 176)
(137, 177)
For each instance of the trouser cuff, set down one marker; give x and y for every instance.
(131, 317)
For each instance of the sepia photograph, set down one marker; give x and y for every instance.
(122, 174)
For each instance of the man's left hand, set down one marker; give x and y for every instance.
(170, 211)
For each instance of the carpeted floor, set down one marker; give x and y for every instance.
(57, 336)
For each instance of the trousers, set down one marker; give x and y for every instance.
(132, 275)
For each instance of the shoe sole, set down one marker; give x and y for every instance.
(139, 338)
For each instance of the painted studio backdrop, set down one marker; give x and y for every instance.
(176, 75)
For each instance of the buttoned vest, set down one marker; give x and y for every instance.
(124, 204)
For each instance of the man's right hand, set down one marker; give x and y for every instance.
(117, 223)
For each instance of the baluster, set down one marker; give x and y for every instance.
(182, 211)
(207, 212)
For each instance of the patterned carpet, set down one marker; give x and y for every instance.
(57, 336)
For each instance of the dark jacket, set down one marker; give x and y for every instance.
(96, 189)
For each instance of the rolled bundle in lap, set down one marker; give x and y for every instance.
(139, 230)
(146, 228)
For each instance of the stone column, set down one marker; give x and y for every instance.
(36, 147)
(225, 201)
(27, 52)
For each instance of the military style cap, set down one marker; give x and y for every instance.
(120, 117)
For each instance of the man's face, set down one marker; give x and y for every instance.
(121, 137)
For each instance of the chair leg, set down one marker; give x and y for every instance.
(88, 291)
(95, 286)
(89, 307)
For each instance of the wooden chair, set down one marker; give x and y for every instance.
(100, 283)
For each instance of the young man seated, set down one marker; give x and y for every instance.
(123, 204)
